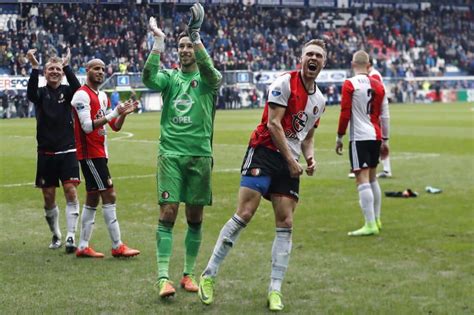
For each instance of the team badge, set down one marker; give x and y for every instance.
(255, 171)
(299, 121)
(315, 110)
(194, 84)
(165, 195)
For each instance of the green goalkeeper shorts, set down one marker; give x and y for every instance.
(184, 179)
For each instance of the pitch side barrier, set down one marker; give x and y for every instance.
(242, 88)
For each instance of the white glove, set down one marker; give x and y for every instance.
(159, 44)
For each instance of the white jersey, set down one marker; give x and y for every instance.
(361, 105)
(303, 112)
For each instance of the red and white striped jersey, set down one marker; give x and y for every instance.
(374, 73)
(303, 111)
(361, 104)
(90, 105)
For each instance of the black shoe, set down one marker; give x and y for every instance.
(70, 246)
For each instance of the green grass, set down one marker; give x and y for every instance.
(421, 263)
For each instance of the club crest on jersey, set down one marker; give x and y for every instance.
(165, 195)
(255, 171)
(194, 84)
(299, 121)
(61, 98)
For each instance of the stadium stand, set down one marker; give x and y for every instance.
(254, 38)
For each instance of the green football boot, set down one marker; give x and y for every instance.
(206, 289)
(366, 230)
(274, 301)
(379, 224)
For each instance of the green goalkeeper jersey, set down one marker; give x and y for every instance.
(189, 105)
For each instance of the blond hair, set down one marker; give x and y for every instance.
(52, 60)
(317, 42)
(361, 58)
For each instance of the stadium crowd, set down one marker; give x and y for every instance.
(404, 42)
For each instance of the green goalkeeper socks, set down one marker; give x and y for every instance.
(192, 242)
(164, 245)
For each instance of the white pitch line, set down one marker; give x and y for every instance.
(405, 156)
(224, 170)
(124, 136)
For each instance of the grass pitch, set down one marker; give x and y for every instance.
(422, 262)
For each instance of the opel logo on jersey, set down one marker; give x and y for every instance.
(299, 121)
(183, 103)
(194, 84)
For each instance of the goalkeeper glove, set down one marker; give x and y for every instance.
(195, 22)
(159, 44)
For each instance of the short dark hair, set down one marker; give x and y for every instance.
(183, 34)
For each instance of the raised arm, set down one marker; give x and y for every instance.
(209, 75)
(74, 83)
(152, 77)
(32, 88)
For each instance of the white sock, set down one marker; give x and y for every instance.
(72, 217)
(227, 238)
(52, 217)
(280, 257)
(110, 218)
(377, 198)
(386, 165)
(87, 225)
(366, 201)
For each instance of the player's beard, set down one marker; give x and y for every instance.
(186, 61)
(96, 79)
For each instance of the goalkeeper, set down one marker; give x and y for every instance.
(185, 147)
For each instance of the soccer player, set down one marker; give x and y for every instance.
(185, 150)
(384, 155)
(92, 112)
(56, 147)
(271, 168)
(363, 104)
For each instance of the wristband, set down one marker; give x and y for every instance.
(158, 45)
(113, 114)
(339, 138)
(195, 37)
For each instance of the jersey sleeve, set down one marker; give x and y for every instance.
(111, 122)
(279, 91)
(32, 90)
(209, 75)
(81, 103)
(385, 117)
(346, 107)
(152, 76)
